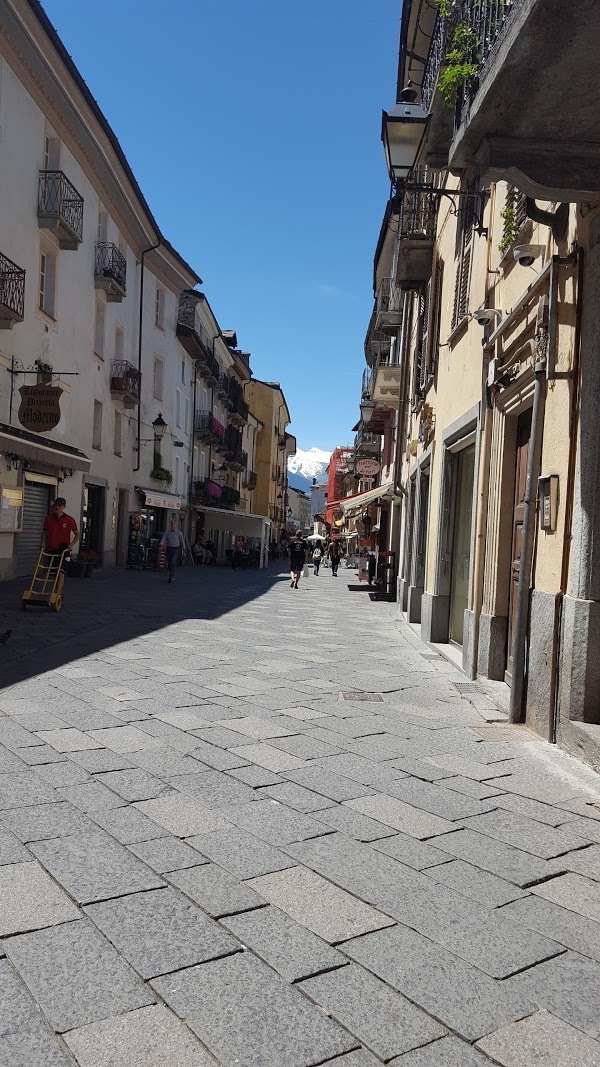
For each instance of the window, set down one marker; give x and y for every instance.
(102, 225)
(157, 387)
(99, 328)
(464, 241)
(177, 465)
(117, 434)
(97, 428)
(159, 308)
(47, 289)
(186, 424)
(183, 371)
(178, 407)
(51, 153)
(119, 342)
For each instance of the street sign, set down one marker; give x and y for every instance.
(40, 407)
(368, 468)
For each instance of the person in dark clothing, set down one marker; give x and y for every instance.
(335, 556)
(174, 543)
(298, 549)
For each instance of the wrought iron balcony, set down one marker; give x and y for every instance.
(125, 381)
(209, 430)
(416, 211)
(238, 414)
(110, 272)
(376, 341)
(366, 382)
(191, 333)
(208, 493)
(60, 208)
(249, 478)
(388, 307)
(12, 293)
(224, 389)
(367, 443)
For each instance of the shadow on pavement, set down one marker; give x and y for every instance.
(118, 606)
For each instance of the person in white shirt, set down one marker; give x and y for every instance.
(174, 542)
(317, 557)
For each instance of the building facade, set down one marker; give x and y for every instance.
(485, 319)
(298, 510)
(273, 448)
(118, 388)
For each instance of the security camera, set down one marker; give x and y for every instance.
(525, 254)
(484, 316)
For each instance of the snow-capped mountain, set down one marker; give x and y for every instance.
(310, 464)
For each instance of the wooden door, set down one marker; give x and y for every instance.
(523, 436)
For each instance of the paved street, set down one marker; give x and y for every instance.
(248, 825)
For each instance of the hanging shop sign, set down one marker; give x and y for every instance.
(40, 407)
(367, 468)
(154, 501)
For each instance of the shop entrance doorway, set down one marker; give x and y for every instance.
(461, 543)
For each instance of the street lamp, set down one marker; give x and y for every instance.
(367, 408)
(159, 427)
(402, 131)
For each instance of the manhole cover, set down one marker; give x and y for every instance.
(470, 687)
(361, 696)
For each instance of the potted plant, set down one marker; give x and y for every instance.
(88, 559)
(161, 474)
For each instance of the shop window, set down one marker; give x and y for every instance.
(158, 378)
(97, 427)
(117, 444)
(47, 286)
(99, 328)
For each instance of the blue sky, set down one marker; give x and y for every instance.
(253, 129)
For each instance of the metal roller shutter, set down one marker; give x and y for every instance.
(36, 504)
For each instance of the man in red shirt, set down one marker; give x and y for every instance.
(56, 535)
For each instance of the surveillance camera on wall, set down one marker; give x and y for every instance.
(526, 254)
(484, 316)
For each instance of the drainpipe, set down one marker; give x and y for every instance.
(193, 438)
(516, 708)
(145, 252)
(553, 710)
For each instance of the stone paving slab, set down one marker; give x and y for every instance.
(287, 946)
(213, 788)
(457, 994)
(477, 885)
(274, 823)
(240, 853)
(22, 790)
(380, 1018)
(568, 986)
(573, 892)
(297, 797)
(75, 975)
(533, 837)
(181, 815)
(146, 1037)
(437, 800)
(167, 854)
(46, 821)
(449, 1052)
(134, 784)
(331, 785)
(160, 931)
(506, 862)
(29, 899)
(215, 890)
(37, 1047)
(330, 912)
(539, 1039)
(274, 1023)
(416, 854)
(93, 866)
(354, 824)
(401, 816)
(566, 927)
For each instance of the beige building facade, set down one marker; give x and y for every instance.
(486, 283)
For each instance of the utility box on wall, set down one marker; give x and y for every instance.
(548, 499)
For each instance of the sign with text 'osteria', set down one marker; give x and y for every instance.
(40, 407)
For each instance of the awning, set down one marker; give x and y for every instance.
(41, 450)
(161, 500)
(348, 503)
(237, 515)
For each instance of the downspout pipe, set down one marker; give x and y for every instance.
(145, 252)
(519, 644)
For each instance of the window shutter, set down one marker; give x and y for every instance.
(465, 243)
(435, 307)
(424, 309)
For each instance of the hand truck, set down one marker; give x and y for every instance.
(43, 588)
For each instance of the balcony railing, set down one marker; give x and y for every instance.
(60, 208)
(209, 430)
(249, 478)
(191, 333)
(238, 413)
(486, 21)
(125, 380)
(367, 443)
(224, 389)
(388, 307)
(110, 272)
(12, 293)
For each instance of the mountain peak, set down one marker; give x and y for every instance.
(310, 463)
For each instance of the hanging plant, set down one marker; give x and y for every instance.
(461, 67)
(445, 7)
(161, 474)
(510, 230)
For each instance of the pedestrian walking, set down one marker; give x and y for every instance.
(317, 557)
(175, 545)
(298, 549)
(56, 536)
(334, 556)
